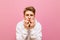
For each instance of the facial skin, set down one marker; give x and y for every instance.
(29, 19)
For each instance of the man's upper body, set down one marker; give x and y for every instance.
(35, 33)
(29, 28)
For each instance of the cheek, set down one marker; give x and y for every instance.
(32, 18)
(26, 18)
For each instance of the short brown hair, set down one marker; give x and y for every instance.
(30, 8)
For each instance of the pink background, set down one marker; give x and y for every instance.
(47, 13)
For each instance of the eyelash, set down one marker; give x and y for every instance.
(28, 15)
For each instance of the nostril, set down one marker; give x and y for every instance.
(29, 17)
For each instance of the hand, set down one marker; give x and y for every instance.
(32, 23)
(29, 22)
(26, 23)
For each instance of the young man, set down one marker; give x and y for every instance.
(29, 28)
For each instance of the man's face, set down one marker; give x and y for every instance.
(29, 15)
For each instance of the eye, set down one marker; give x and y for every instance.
(31, 15)
(27, 14)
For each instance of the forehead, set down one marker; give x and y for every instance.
(29, 12)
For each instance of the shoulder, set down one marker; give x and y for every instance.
(19, 25)
(38, 25)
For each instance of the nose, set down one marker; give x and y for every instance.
(29, 17)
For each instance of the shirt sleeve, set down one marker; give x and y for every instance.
(39, 32)
(18, 33)
(37, 35)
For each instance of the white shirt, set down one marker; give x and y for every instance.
(21, 32)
